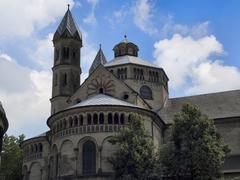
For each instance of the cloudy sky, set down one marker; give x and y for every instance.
(196, 42)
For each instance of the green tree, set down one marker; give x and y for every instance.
(12, 157)
(196, 150)
(135, 157)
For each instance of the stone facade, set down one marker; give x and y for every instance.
(84, 116)
(3, 127)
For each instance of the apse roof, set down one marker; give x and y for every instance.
(128, 60)
(103, 99)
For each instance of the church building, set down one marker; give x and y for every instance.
(85, 115)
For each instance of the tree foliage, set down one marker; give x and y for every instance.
(11, 166)
(135, 158)
(196, 150)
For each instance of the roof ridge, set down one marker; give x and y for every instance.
(212, 93)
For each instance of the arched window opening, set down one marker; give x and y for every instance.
(65, 79)
(66, 52)
(64, 124)
(101, 118)
(95, 118)
(32, 149)
(122, 119)
(70, 122)
(40, 147)
(89, 158)
(146, 92)
(101, 90)
(110, 119)
(116, 118)
(89, 119)
(81, 120)
(75, 121)
(35, 148)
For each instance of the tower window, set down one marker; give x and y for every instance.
(56, 54)
(65, 52)
(65, 79)
(74, 54)
(146, 92)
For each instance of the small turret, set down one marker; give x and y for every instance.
(125, 48)
(99, 59)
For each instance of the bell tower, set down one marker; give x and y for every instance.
(67, 42)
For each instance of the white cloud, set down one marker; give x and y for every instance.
(22, 18)
(142, 12)
(42, 54)
(190, 62)
(170, 27)
(25, 95)
(91, 18)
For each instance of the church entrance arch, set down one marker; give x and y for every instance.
(89, 158)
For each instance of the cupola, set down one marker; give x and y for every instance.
(125, 48)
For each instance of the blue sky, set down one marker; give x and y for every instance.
(196, 42)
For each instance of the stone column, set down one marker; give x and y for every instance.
(76, 151)
(100, 159)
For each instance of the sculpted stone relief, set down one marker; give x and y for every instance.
(101, 84)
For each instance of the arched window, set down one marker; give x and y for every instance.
(95, 118)
(146, 92)
(70, 122)
(65, 52)
(89, 119)
(101, 118)
(65, 79)
(81, 120)
(122, 118)
(64, 124)
(101, 90)
(110, 119)
(35, 148)
(75, 121)
(89, 158)
(116, 118)
(40, 147)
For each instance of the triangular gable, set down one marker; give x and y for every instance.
(103, 81)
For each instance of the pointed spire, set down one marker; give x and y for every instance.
(99, 59)
(68, 27)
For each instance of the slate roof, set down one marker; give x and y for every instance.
(120, 60)
(215, 105)
(103, 99)
(232, 164)
(68, 25)
(99, 59)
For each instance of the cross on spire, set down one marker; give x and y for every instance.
(68, 6)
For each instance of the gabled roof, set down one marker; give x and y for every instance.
(68, 28)
(121, 60)
(103, 99)
(99, 59)
(215, 105)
